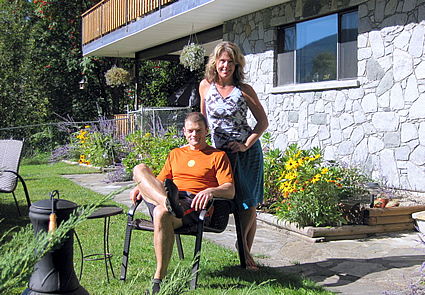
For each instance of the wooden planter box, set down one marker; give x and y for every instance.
(391, 215)
(377, 220)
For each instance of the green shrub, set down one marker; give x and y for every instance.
(307, 188)
(151, 150)
(273, 161)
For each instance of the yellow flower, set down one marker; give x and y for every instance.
(87, 126)
(87, 162)
(325, 170)
(291, 175)
(285, 186)
(300, 162)
(147, 135)
(291, 164)
(316, 178)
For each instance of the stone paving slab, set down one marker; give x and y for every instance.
(383, 263)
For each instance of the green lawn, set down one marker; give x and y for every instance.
(219, 273)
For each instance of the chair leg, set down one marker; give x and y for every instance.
(197, 255)
(179, 246)
(27, 196)
(241, 248)
(16, 203)
(82, 254)
(126, 251)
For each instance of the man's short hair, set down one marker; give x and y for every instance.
(196, 117)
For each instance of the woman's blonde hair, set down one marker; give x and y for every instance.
(234, 52)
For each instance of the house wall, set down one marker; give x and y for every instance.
(378, 124)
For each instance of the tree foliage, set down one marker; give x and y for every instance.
(41, 65)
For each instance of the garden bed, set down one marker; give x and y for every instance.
(377, 220)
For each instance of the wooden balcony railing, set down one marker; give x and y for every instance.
(109, 15)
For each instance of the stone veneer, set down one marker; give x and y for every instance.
(379, 124)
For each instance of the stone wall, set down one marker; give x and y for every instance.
(379, 125)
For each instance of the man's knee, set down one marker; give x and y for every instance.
(142, 171)
(162, 217)
(140, 168)
(161, 213)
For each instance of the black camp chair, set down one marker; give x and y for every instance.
(10, 158)
(219, 221)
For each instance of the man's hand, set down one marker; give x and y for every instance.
(201, 199)
(135, 195)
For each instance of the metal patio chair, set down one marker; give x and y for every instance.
(10, 157)
(219, 221)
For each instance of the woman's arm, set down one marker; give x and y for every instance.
(203, 89)
(257, 110)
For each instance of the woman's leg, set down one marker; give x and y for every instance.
(249, 227)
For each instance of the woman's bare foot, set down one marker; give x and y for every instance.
(250, 263)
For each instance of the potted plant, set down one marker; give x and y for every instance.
(117, 76)
(381, 200)
(192, 56)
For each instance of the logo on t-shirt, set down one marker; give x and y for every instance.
(191, 163)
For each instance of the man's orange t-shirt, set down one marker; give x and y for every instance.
(194, 171)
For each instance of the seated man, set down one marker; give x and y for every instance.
(199, 172)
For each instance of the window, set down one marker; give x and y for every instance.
(321, 49)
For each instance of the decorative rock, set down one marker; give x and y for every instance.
(392, 139)
(403, 65)
(385, 121)
(418, 155)
(396, 97)
(402, 153)
(385, 84)
(420, 71)
(417, 41)
(417, 111)
(416, 177)
(375, 145)
(377, 44)
(408, 132)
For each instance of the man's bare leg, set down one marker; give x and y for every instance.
(149, 186)
(164, 225)
(153, 191)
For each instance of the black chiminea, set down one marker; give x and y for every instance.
(54, 273)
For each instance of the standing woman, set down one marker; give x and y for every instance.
(225, 100)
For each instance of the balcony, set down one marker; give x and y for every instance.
(146, 29)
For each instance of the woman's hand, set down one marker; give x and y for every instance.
(237, 147)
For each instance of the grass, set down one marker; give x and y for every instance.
(219, 273)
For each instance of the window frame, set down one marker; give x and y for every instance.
(341, 81)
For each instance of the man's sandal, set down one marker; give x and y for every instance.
(172, 202)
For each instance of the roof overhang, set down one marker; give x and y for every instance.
(173, 22)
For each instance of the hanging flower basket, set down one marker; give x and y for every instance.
(192, 56)
(116, 76)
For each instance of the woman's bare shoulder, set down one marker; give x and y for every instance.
(204, 83)
(246, 88)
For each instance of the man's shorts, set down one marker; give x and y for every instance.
(191, 217)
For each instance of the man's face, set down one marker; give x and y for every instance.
(195, 133)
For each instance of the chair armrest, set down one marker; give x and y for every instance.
(133, 208)
(204, 212)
